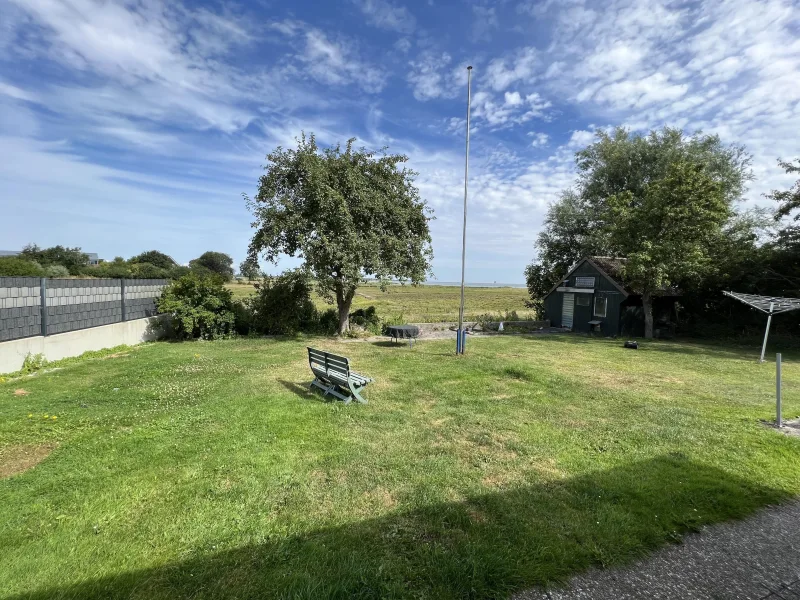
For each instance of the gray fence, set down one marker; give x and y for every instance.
(40, 306)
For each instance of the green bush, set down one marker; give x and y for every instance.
(200, 307)
(329, 321)
(57, 271)
(145, 270)
(283, 305)
(13, 266)
(243, 317)
(366, 318)
(114, 269)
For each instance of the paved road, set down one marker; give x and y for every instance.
(757, 559)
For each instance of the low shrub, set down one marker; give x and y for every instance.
(33, 363)
(14, 266)
(328, 321)
(56, 271)
(366, 318)
(283, 305)
(200, 307)
(486, 318)
(243, 317)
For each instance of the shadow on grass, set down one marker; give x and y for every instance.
(390, 344)
(486, 546)
(304, 391)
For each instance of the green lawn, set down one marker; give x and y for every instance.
(428, 303)
(207, 470)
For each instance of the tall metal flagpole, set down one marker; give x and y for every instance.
(461, 338)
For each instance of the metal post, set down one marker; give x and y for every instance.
(459, 342)
(779, 418)
(766, 333)
(122, 297)
(43, 306)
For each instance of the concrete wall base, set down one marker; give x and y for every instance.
(75, 343)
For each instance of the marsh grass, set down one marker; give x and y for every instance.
(429, 303)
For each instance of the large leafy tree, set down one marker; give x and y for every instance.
(72, 258)
(155, 258)
(250, 269)
(348, 212)
(669, 231)
(624, 163)
(215, 262)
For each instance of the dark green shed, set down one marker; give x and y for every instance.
(593, 297)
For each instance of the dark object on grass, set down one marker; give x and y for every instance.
(409, 332)
(631, 345)
(333, 376)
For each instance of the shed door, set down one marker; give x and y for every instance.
(567, 310)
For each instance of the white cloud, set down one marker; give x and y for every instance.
(428, 77)
(509, 109)
(386, 15)
(335, 62)
(14, 92)
(501, 73)
(539, 139)
(580, 139)
(403, 45)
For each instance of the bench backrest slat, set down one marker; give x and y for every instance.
(328, 361)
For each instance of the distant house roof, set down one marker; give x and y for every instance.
(612, 267)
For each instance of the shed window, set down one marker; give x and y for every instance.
(600, 304)
(583, 299)
(586, 282)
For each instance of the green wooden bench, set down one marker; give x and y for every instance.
(333, 375)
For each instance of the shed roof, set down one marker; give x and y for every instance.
(612, 267)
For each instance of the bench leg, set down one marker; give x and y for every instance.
(326, 389)
(356, 395)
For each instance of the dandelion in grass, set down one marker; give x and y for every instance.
(45, 416)
(54, 417)
(30, 416)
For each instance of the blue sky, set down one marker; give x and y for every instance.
(126, 126)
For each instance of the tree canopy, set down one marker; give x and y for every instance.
(215, 262)
(155, 258)
(348, 212)
(666, 235)
(73, 259)
(249, 269)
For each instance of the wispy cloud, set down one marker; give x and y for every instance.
(387, 15)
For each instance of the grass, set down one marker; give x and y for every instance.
(428, 303)
(207, 470)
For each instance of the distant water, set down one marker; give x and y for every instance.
(489, 285)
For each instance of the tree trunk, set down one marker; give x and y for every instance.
(344, 299)
(647, 307)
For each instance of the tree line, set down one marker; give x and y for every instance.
(60, 261)
(671, 205)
